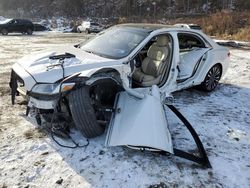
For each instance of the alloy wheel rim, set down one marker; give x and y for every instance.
(213, 77)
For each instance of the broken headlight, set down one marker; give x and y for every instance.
(52, 88)
(46, 88)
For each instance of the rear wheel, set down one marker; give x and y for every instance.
(87, 31)
(83, 113)
(78, 30)
(212, 78)
(29, 31)
(4, 32)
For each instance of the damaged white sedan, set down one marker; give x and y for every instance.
(122, 79)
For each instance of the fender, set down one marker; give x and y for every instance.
(122, 70)
(116, 77)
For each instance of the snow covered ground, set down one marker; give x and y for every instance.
(30, 158)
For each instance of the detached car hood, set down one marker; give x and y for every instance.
(46, 70)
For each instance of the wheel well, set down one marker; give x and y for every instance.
(106, 70)
(107, 73)
(106, 84)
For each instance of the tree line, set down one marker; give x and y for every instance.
(117, 8)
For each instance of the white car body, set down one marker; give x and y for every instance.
(40, 69)
(34, 69)
(189, 26)
(88, 27)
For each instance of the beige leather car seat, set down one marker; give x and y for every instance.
(152, 66)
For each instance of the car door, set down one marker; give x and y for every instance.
(17, 26)
(12, 25)
(192, 53)
(20, 26)
(140, 122)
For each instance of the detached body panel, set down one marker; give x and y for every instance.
(140, 123)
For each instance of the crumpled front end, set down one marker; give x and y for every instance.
(18, 86)
(39, 77)
(20, 81)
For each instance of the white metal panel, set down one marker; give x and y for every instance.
(28, 80)
(140, 122)
(188, 60)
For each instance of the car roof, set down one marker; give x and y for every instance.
(145, 26)
(154, 27)
(22, 20)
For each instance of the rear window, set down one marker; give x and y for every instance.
(24, 21)
(195, 27)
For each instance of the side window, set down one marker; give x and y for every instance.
(13, 22)
(94, 24)
(142, 54)
(188, 42)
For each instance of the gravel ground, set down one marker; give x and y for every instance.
(30, 158)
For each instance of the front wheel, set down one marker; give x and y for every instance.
(212, 78)
(83, 113)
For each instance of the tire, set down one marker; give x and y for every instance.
(212, 78)
(83, 113)
(87, 31)
(78, 30)
(29, 31)
(4, 32)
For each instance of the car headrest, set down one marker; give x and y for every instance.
(162, 40)
(158, 53)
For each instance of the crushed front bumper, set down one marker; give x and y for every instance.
(42, 104)
(42, 101)
(17, 85)
(17, 82)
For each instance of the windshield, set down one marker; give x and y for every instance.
(115, 43)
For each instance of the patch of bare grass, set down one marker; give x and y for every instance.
(243, 34)
(228, 25)
(223, 24)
